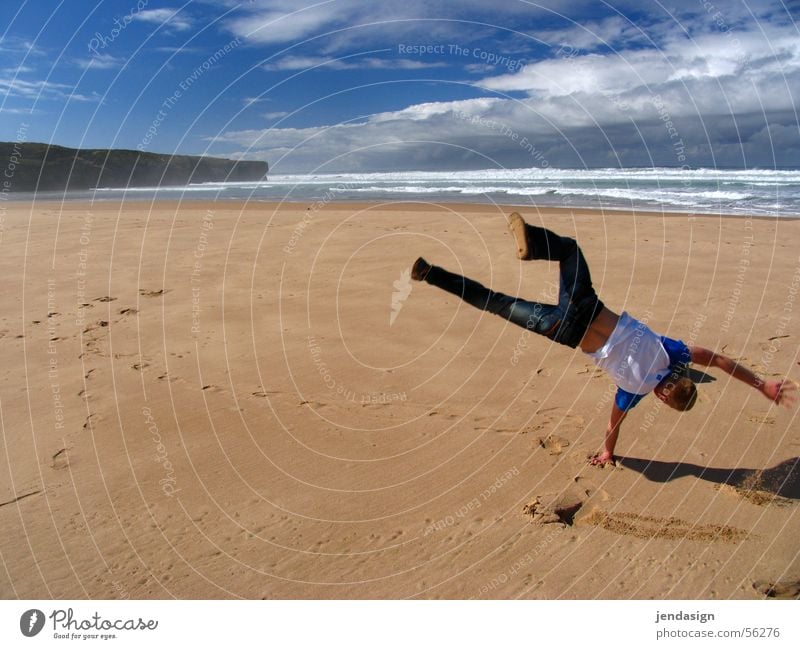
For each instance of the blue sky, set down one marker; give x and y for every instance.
(362, 85)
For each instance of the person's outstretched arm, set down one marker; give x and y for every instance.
(782, 392)
(612, 433)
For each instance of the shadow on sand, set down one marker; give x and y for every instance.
(780, 480)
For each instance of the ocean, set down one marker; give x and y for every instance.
(758, 192)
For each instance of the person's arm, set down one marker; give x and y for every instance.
(612, 433)
(782, 392)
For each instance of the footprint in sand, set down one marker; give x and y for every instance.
(145, 293)
(139, 366)
(778, 590)
(502, 431)
(264, 393)
(60, 459)
(569, 420)
(313, 404)
(554, 444)
(91, 348)
(593, 371)
(768, 345)
(105, 298)
(654, 527)
(554, 420)
(761, 419)
(554, 508)
(598, 493)
(89, 420)
(128, 311)
(16, 499)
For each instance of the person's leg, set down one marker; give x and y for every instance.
(534, 242)
(576, 281)
(577, 299)
(543, 319)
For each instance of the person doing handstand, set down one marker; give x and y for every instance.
(638, 360)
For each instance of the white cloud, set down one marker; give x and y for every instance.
(401, 64)
(389, 131)
(249, 101)
(171, 18)
(275, 115)
(16, 111)
(350, 63)
(101, 62)
(716, 88)
(423, 112)
(19, 46)
(589, 35)
(286, 21)
(299, 63)
(478, 68)
(38, 90)
(281, 22)
(740, 72)
(180, 49)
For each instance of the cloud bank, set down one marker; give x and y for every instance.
(721, 98)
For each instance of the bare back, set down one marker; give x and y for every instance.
(599, 331)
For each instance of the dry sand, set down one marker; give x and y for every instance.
(209, 400)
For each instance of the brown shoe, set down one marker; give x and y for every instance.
(517, 226)
(420, 269)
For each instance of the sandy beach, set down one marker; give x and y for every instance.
(231, 400)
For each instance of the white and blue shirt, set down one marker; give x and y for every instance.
(637, 359)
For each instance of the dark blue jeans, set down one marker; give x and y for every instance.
(565, 322)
